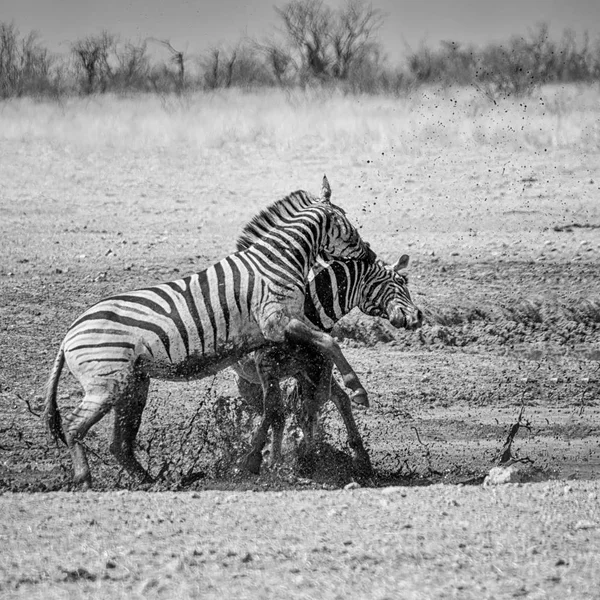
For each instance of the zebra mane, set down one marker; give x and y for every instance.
(272, 217)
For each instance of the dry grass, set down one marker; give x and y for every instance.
(565, 117)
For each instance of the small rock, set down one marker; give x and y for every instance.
(501, 475)
(148, 584)
(352, 485)
(141, 532)
(585, 525)
(391, 489)
(80, 573)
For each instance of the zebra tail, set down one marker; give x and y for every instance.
(51, 412)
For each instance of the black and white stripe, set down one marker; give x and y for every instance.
(194, 326)
(377, 289)
(333, 290)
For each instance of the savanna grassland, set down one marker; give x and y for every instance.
(497, 204)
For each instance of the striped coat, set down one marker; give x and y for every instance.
(195, 326)
(333, 291)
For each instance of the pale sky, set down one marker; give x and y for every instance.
(193, 26)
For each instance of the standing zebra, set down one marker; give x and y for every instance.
(195, 326)
(333, 291)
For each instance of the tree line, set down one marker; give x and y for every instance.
(314, 45)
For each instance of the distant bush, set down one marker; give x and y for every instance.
(26, 68)
(317, 46)
(517, 67)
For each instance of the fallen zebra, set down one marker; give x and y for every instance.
(333, 291)
(195, 326)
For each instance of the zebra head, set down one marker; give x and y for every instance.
(385, 294)
(341, 240)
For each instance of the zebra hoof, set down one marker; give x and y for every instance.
(252, 462)
(83, 481)
(360, 397)
(362, 466)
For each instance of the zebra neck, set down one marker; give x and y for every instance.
(287, 254)
(333, 292)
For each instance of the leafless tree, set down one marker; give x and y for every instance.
(220, 66)
(229, 64)
(308, 25)
(212, 69)
(24, 64)
(277, 59)
(178, 58)
(133, 66)
(353, 36)
(92, 55)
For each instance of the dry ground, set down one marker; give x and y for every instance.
(498, 208)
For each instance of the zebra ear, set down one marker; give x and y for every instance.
(325, 191)
(402, 263)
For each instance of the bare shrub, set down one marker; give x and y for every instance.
(278, 61)
(92, 57)
(308, 25)
(325, 44)
(26, 68)
(133, 67)
(353, 37)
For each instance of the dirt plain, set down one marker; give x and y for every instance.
(504, 237)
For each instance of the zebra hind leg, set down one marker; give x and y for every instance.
(98, 400)
(128, 417)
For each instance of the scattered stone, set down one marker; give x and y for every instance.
(392, 489)
(502, 475)
(142, 532)
(78, 574)
(585, 525)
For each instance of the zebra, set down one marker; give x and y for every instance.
(193, 327)
(333, 290)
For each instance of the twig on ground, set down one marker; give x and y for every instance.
(506, 455)
(38, 415)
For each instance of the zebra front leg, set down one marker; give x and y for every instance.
(362, 462)
(299, 332)
(314, 392)
(273, 414)
(252, 393)
(128, 417)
